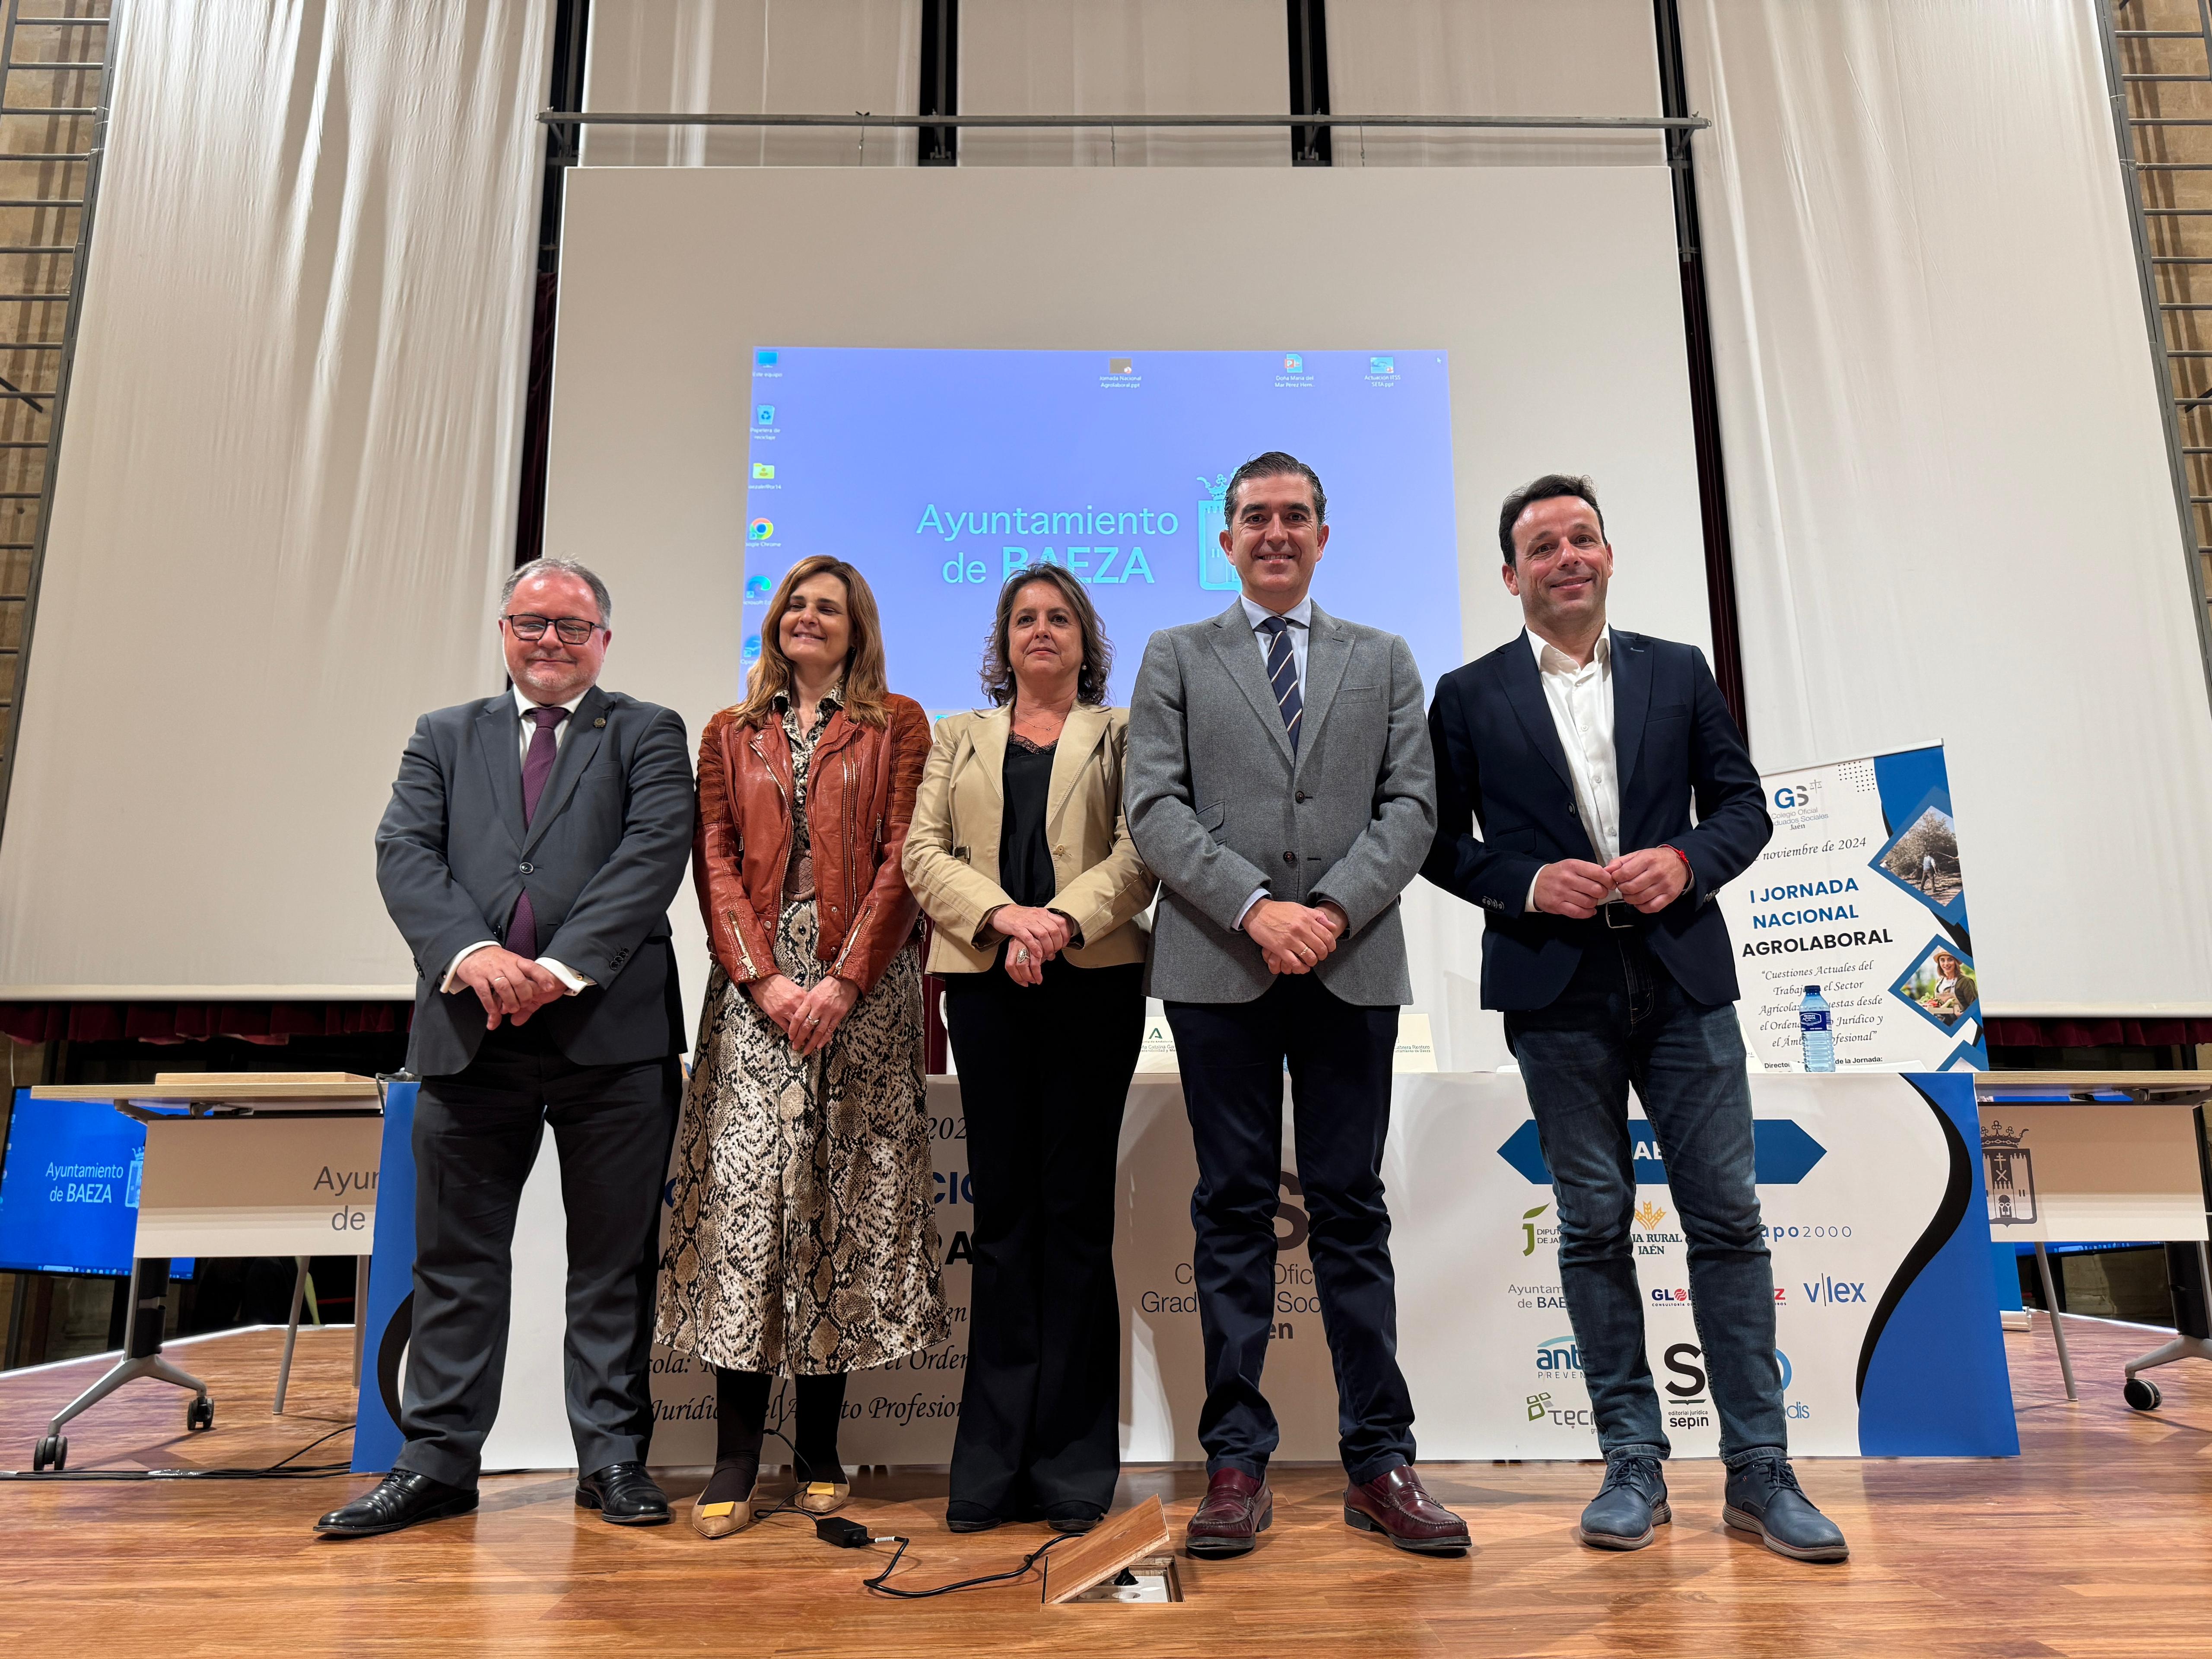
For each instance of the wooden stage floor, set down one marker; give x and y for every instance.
(2096, 1542)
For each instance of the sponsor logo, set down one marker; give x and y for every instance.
(1805, 1230)
(1528, 1229)
(1677, 1297)
(1559, 1354)
(1828, 1291)
(1648, 1215)
(1539, 1407)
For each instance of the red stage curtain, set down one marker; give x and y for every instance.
(2098, 1033)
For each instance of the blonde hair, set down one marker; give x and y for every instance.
(864, 689)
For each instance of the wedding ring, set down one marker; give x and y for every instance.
(1021, 955)
(817, 1020)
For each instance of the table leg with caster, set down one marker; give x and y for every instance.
(143, 1330)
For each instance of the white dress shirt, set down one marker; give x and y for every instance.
(1581, 700)
(1300, 617)
(526, 729)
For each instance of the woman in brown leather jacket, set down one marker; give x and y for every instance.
(804, 1238)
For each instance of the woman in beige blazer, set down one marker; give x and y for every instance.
(1020, 857)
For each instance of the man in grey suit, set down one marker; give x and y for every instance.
(532, 844)
(1280, 786)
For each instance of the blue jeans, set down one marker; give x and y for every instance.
(1623, 1020)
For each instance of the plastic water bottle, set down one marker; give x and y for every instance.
(1814, 1031)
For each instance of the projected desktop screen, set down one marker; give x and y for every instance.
(938, 472)
(68, 1189)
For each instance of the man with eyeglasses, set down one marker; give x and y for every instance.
(531, 848)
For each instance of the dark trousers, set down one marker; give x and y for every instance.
(1044, 1074)
(1623, 1021)
(477, 1134)
(1232, 1056)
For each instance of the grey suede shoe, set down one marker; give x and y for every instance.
(1764, 1496)
(1627, 1507)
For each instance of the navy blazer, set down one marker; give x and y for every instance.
(601, 859)
(1499, 765)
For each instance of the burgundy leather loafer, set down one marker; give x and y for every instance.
(1236, 1511)
(1397, 1505)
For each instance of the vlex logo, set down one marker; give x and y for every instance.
(1783, 1154)
(1832, 1291)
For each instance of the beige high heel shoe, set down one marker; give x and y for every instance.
(822, 1496)
(720, 1520)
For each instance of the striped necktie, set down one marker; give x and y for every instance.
(1283, 675)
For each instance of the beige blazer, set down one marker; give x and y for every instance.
(951, 858)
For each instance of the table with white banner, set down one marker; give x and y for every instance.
(1871, 1186)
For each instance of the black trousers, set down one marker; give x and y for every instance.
(477, 1134)
(1044, 1075)
(1232, 1056)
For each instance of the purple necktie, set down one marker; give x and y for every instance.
(536, 767)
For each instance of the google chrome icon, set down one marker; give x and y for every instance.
(759, 530)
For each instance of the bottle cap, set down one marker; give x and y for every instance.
(1811, 990)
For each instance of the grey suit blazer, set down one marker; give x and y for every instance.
(601, 859)
(1218, 806)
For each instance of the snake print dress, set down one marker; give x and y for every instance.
(803, 1235)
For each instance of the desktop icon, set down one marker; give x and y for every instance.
(1121, 366)
(764, 360)
(759, 530)
(756, 590)
(764, 469)
(1382, 366)
(1293, 364)
(764, 415)
(752, 648)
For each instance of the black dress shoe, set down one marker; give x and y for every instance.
(402, 1498)
(625, 1494)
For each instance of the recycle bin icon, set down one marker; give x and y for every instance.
(1214, 570)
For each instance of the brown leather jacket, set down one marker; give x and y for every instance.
(859, 799)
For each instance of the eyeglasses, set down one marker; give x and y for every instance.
(572, 630)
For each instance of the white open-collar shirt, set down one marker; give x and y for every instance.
(1581, 700)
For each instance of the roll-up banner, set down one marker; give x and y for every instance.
(1859, 902)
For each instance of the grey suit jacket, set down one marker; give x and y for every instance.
(601, 859)
(1218, 806)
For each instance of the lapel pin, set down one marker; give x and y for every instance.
(602, 721)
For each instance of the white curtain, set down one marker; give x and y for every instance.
(753, 57)
(1125, 58)
(285, 497)
(1949, 484)
(1493, 58)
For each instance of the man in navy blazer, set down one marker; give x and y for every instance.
(528, 856)
(1579, 750)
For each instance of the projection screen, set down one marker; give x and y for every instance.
(1552, 292)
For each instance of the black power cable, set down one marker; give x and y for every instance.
(275, 1471)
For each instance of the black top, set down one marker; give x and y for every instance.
(1024, 854)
